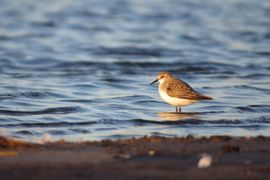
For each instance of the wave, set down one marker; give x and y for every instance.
(57, 110)
(49, 124)
(261, 121)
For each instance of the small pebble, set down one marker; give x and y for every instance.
(205, 161)
(46, 138)
(151, 152)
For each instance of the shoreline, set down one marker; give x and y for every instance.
(136, 158)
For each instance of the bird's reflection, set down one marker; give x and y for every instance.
(172, 116)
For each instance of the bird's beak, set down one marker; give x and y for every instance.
(154, 81)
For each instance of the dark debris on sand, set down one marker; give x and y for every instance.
(137, 158)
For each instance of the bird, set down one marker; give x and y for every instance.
(177, 92)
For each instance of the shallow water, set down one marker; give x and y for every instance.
(80, 70)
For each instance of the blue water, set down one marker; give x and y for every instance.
(80, 70)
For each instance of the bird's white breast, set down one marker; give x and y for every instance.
(173, 100)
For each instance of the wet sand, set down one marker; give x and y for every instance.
(143, 158)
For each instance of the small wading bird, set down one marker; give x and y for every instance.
(177, 92)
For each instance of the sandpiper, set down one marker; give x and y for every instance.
(177, 92)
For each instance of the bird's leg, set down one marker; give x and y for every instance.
(179, 109)
(176, 109)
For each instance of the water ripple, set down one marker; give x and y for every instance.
(58, 110)
(84, 67)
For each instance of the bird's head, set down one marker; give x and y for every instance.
(162, 76)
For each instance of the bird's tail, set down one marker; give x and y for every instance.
(203, 97)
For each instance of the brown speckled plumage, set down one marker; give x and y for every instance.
(180, 89)
(177, 92)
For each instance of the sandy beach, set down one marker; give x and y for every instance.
(143, 158)
(81, 71)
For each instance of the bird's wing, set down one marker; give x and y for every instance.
(180, 89)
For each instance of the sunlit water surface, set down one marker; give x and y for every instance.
(80, 70)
